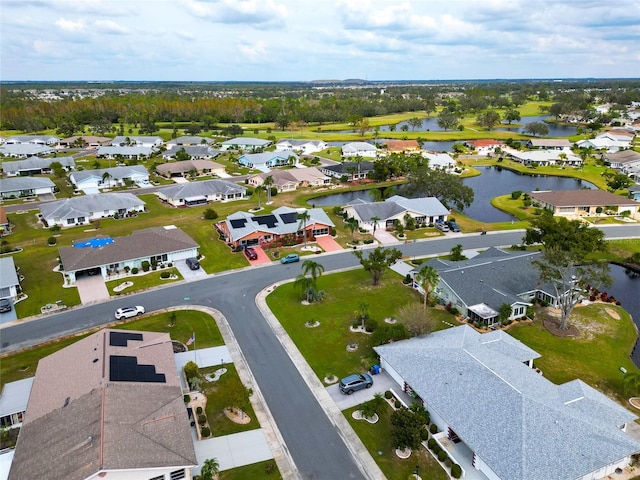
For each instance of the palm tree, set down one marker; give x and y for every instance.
(210, 469)
(352, 224)
(267, 184)
(305, 285)
(304, 217)
(106, 177)
(363, 312)
(375, 221)
(314, 268)
(427, 277)
(259, 189)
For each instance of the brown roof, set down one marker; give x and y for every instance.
(186, 165)
(400, 145)
(140, 244)
(623, 156)
(79, 421)
(587, 198)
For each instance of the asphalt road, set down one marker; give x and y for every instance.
(315, 445)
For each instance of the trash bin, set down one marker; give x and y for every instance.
(375, 369)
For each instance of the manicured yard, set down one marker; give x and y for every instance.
(142, 282)
(256, 471)
(378, 441)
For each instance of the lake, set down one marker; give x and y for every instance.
(493, 182)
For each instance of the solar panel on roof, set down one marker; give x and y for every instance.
(291, 217)
(120, 339)
(268, 220)
(239, 222)
(126, 369)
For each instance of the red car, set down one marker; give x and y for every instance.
(250, 253)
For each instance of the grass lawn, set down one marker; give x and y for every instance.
(594, 356)
(142, 282)
(324, 347)
(218, 399)
(267, 470)
(23, 364)
(377, 439)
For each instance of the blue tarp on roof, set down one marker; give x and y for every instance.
(94, 243)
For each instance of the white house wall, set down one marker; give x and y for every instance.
(484, 468)
(140, 474)
(606, 471)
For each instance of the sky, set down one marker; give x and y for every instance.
(304, 40)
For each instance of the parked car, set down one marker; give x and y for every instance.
(453, 226)
(355, 382)
(443, 227)
(250, 253)
(193, 263)
(5, 305)
(128, 312)
(291, 258)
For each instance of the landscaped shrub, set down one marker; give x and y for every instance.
(368, 241)
(270, 467)
(134, 270)
(205, 431)
(51, 240)
(127, 269)
(145, 266)
(387, 333)
(187, 399)
(202, 419)
(210, 214)
(370, 325)
(388, 394)
(433, 428)
(424, 434)
(165, 274)
(442, 455)
(199, 410)
(456, 470)
(431, 443)
(154, 264)
(448, 462)
(407, 279)
(398, 404)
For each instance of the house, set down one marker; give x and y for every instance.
(82, 210)
(267, 160)
(110, 177)
(110, 256)
(359, 149)
(611, 141)
(183, 168)
(36, 166)
(348, 171)
(245, 143)
(13, 402)
(584, 202)
(188, 140)
(484, 146)
(199, 193)
(124, 151)
(289, 180)
(108, 406)
(442, 161)
(247, 229)
(549, 143)
(85, 141)
(195, 152)
(42, 140)
(618, 135)
(304, 147)
(26, 187)
(498, 416)
(9, 281)
(137, 141)
(310, 177)
(543, 157)
(426, 210)
(622, 160)
(24, 150)
(401, 146)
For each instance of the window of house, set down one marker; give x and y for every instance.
(177, 474)
(159, 477)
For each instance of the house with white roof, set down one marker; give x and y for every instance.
(124, 151)
(603, 144)
(442, 161)
(199, 193)
(425, 210)
(26, 187)
(90, 141)
(498, 418)
(13, 402)
(188, 140)
(245, 143)
(248, 229)
(195, 152)
(48, 140)
(359, 149)
(110, 177)
(265, 161)
(9, 281)
(484, 146)
(24, 150)
(620, 135)
(544, 157)
(137, 141)
(36, 166)
(304, 147)
(73, 211)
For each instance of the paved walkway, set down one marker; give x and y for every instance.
(92, 289)
(328, 243)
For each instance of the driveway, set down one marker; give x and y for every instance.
(381, 383)
(385, 237)
(188, 274)
(92, 289)
(328, 244)
(9, 316)
(179, 180)
(262, 256)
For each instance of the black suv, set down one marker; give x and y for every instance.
(193, 263)
(5, 305)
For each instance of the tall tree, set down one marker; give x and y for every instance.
(427, 277)
(352, 225)
(106, 178)
(303, 218)
(488, 119)
(449, 189)
(315, 269)
(268, 183)
(564, 263)
(512, 115)
(210, 469)
(378, 261)
(374, 221)
(447, 120)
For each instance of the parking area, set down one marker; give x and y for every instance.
(188, 274)
(9, 316)
(328, 244)
(381, 383)
(262, 256)
(91, 288)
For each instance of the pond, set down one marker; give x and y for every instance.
(625, 289)
(493, 182)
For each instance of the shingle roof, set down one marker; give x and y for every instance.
(24, 183)
(116, 173)
(572, 198)
(24, 149)
(193, 151)
(425, 205)
(187, 165)
(140, 244)
(343, 167)
(536, 430)
(257, 142)
(75, 207)
(8, 275)
(79, 421)
(124, 150)
(623, 156)
(550, 142)
(358, 146)
(206, 187)
(35, 163)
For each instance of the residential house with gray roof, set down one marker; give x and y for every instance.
(498, 418)
(195, 152)
(199, 193)
(348, 171)
(109, 405)
(90, 141)
(148, 141)
(49, 140)
(249, 229)
(124, 152)
(304, 147)
(359, 149)
(81, 210)
(9, 280)
(110, 177)
(26, 187)
(245, 143)
(114, 256)
(24, 150)
(425, 210)
(265, 161)
(184, 168)
(36, 166)
(188, 140)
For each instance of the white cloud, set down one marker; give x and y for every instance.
(70, 25)
(109, 27)
(254, 52)
(254, 12)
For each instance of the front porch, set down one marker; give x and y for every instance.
(462, 455)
